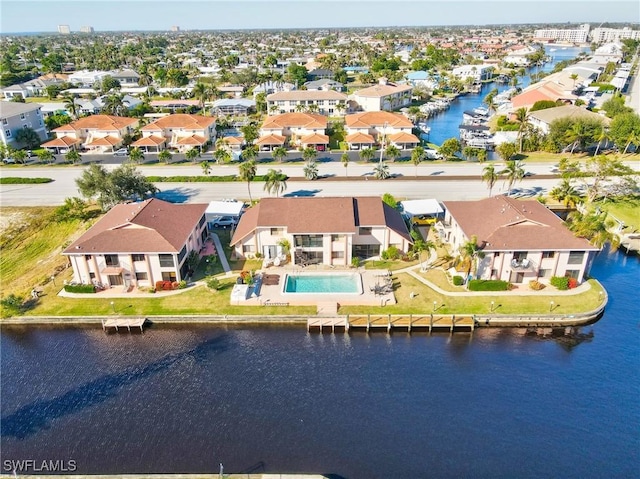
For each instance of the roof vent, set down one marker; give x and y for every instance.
(78, 247)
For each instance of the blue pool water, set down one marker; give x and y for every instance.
(323, 283)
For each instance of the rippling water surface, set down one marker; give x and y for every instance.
(497, 403)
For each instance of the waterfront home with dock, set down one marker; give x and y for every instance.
(383, 96)
(137, 244)
(520, 240)
(295, 129)
(365, 129)
(322, 230)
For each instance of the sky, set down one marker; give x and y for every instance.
(114, 15)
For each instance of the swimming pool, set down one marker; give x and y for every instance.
(323, 283)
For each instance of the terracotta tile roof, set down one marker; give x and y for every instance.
(149, 141)
(359, 138)
(548, 115)
(315, 215)
(175, 103)
(192, 140)
(315, 139)
(61, 142)
(271, 140)
(180, 120)
(233, 140)
(506, 224)
(151, 226)
(378, 91)
(377, 119)
(298, 95)
(403, 137)
(98, 122)
(105, 141)
(298, 120)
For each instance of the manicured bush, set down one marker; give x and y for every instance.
(560, 282)
(24, 181)
(213, 283)
(182, 284)
(457, 280)
(573, 283)
(175, 285)
(79, 288)
(392, 253)
(488, 285)
(536, 285)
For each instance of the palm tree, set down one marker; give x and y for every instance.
(21, 156)
(367, 154)
(417, 155)
(275, 182)
(633, 138)
(70, 105)
(470, 252)
(136, 156)
(522, 115)
(279, 153)
(593, 226)
(392, 152)
(566, 194)
(309, 154)
(489, 176)
(421, 245)
(345, 162)
(202, 93)
(222, 155)
(165, 156)
(482, 155)
(311, 170)
(574, 77)
(192, 154)
(114, 106)
(603, 136)
(250, 153)
(73, 156)
(206, 169)
(247, 172)
(513, 172)
(381, 171)
(46, 156)
(578, 134)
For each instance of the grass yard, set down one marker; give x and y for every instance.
(627, 210)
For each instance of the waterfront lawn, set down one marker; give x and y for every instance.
(439, 278)
(624, 209)
(388, 264)
(422, 303)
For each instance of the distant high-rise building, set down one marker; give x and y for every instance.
(175, 28)
(578, 35)
(606, 35)
(86, 29)
(64, 29)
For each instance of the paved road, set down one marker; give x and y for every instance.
(633, 98)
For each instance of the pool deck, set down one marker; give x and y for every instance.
(272, 294)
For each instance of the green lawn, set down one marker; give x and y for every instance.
(627, 210)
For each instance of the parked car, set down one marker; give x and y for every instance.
(223, 222)
(9, 161)
(121, 152)
(424, 220)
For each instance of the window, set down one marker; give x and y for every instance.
(544, 273)
(7, 133)
(248, 248)
(277, 231)
(111, 260)
(22, 117)
(548, 254)
(88, 257)
(308, 241)
(575, 257)
(572, 273)
(519, 255)
(166, 261)
(366, 250)
(141, 276)
(337, 237)
(137, 257)
(201, 222)
(365, 231)
(337, 254)
(333, 102)
(182, 254)
(169, 276)
(314, 257)
(4, 121)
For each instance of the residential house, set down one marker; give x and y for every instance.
(364, 130)
(16, 116)
(479, 73)
(325, 84)
(96, 133)
(174, 105)
(296, 129)
(323, 230)
(126, 77)
(422, 79)
(542, 119)
(518, 55)
(520, 240)
(325, 102)
(234, 106)
(270, 87)
(544, 90)
(180, 131)
(86, 78)
(320, 74)
(137, 244)
(385, 96)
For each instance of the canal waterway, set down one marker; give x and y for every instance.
(495, 403)
(445, 124)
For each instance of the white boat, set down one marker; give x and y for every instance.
(552, 49)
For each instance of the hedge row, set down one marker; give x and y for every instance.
(488, 285)
(24, 181)
(79, 288)
(200, 179)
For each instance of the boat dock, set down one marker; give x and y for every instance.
(123, 323)
(389, 322)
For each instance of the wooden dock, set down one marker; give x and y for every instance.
(118, 323)
(406, 322)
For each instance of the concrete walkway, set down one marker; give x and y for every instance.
(221, 255)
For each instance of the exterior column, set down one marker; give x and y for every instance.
(86, 267)
(95, 267)
(133, 272)
(149, 272)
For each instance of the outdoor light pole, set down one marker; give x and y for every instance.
(53, 278)
(113, 306)
(382, 141)
(492, 303)
(435, 304)
(551, 306)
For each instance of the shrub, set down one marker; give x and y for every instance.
(560, 282)
(355, 262)
(488, 285)
(213, 283)
(11, 305)
(182, 284)
(174, 285)
(536, 285)
(24, 181)
(79, 288)
(159, 285)
(392, 253)
(457, 280)
(573, 283)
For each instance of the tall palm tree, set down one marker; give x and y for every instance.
(309, 154)
(566, 194)
(201, 92)
(345, 162)
(192, 154)
(578, 135)
(633, 138)
(70, 105)
(114, 106)
(470, 252)
(392, 152)
(490, 176)
(247, 172)
(513, 173)
(275, 182)
(222, 155)
(250, 153)
(603, 136)
(279, 153)
(417, 156)
(593, 226)
(367, 154)
(522, 115)
(136, 156)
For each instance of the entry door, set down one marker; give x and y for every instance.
(115, 280)
(270, 252)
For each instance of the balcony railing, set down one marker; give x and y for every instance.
(523, 264)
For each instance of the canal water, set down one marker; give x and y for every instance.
(495, 403)
(445, 124)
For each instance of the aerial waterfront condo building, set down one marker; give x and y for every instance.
(180, 131)
(64, 29)
(385, 96)
(295, 129)
(606, 35)
(137, 244)
(97, 133)
(577, 35)
(325, 102)
(364, 130)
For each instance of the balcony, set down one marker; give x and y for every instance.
(522, 264)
